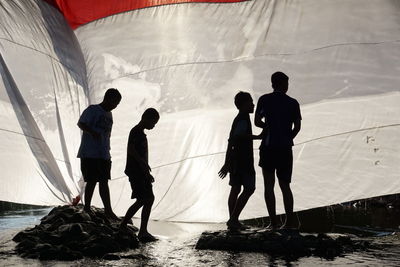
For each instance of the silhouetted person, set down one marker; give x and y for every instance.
(138, 171)
(96, 122)
(280, 116)
(239, 160)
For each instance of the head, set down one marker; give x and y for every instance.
(111, 99)
(244, 102)
(280, 82)
(150, 118)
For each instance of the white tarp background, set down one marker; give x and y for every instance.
(188, 61)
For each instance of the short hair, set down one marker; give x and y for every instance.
(241, 98)
(112, 93)
(151, 113)
(278, 77)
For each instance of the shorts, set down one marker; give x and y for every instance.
(279, 160)
(141, 188)
(245, 178)
(95, 169)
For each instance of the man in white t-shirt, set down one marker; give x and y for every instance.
(96, 122)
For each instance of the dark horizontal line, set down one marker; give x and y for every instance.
(248, 58)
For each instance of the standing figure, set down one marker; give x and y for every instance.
(138, 171)
(279, 116)
(239, 160)
(96, 122)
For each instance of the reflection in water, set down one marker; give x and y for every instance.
(21, 218)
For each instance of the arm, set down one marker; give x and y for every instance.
(258, 121)
(257, 115)
(296, 120)
(132, 152)
(240, 133)
(228, 156)
(88, 130)
(296, 128)
(247, 137)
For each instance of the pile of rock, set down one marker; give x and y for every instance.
(288, 243)
(69, 233)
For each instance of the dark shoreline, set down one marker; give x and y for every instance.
(372, 214)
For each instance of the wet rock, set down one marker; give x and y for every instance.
(25, 245)
(68, 233)
(111, 257)
(288, 243)
(135, 257)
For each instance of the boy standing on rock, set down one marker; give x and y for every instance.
(239, 160)
(138, 171)
(281, 114)
(96, 122)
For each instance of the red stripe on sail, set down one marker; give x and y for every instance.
(78, 12)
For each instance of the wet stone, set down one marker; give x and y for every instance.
(68, 233)
(111, 257)
(285, 243)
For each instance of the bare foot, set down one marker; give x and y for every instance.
(87, 210)
(146, 237)
(111, 215)
(234, 225)
(272, 227)
(291, 223)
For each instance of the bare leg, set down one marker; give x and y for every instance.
(105, 197)
(147, 204)
(269, 195)
(89, 189)
(233, 197)
(240, 203)
(288, 202)
(131, 212)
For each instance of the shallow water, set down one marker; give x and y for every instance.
(175, 247)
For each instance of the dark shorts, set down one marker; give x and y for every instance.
(141, 188)
(95, 170)
(279, 160)
(245, 178)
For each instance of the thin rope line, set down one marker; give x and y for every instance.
(43, 53)
(247, 58)
(302, 143)
(33, 137)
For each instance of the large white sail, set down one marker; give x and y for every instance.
(188, 60)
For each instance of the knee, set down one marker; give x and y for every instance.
(285, 186)
(90, 185)
(249, 191)
(269, 186)
(148, 200)
(103, 184)
(235, 190)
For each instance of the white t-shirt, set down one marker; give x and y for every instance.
(100, 121)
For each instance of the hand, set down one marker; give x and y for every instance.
(145, 167)
(151, 178)
(224, 171)
(264, 132)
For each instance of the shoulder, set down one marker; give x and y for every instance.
(264, 97)
(293, 101)
(240, 121)
(136, 132)
(93, 107)
(262, 100)
(89, 112)
(90, 108)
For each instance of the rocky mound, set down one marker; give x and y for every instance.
(69, 233)
(281, 243)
